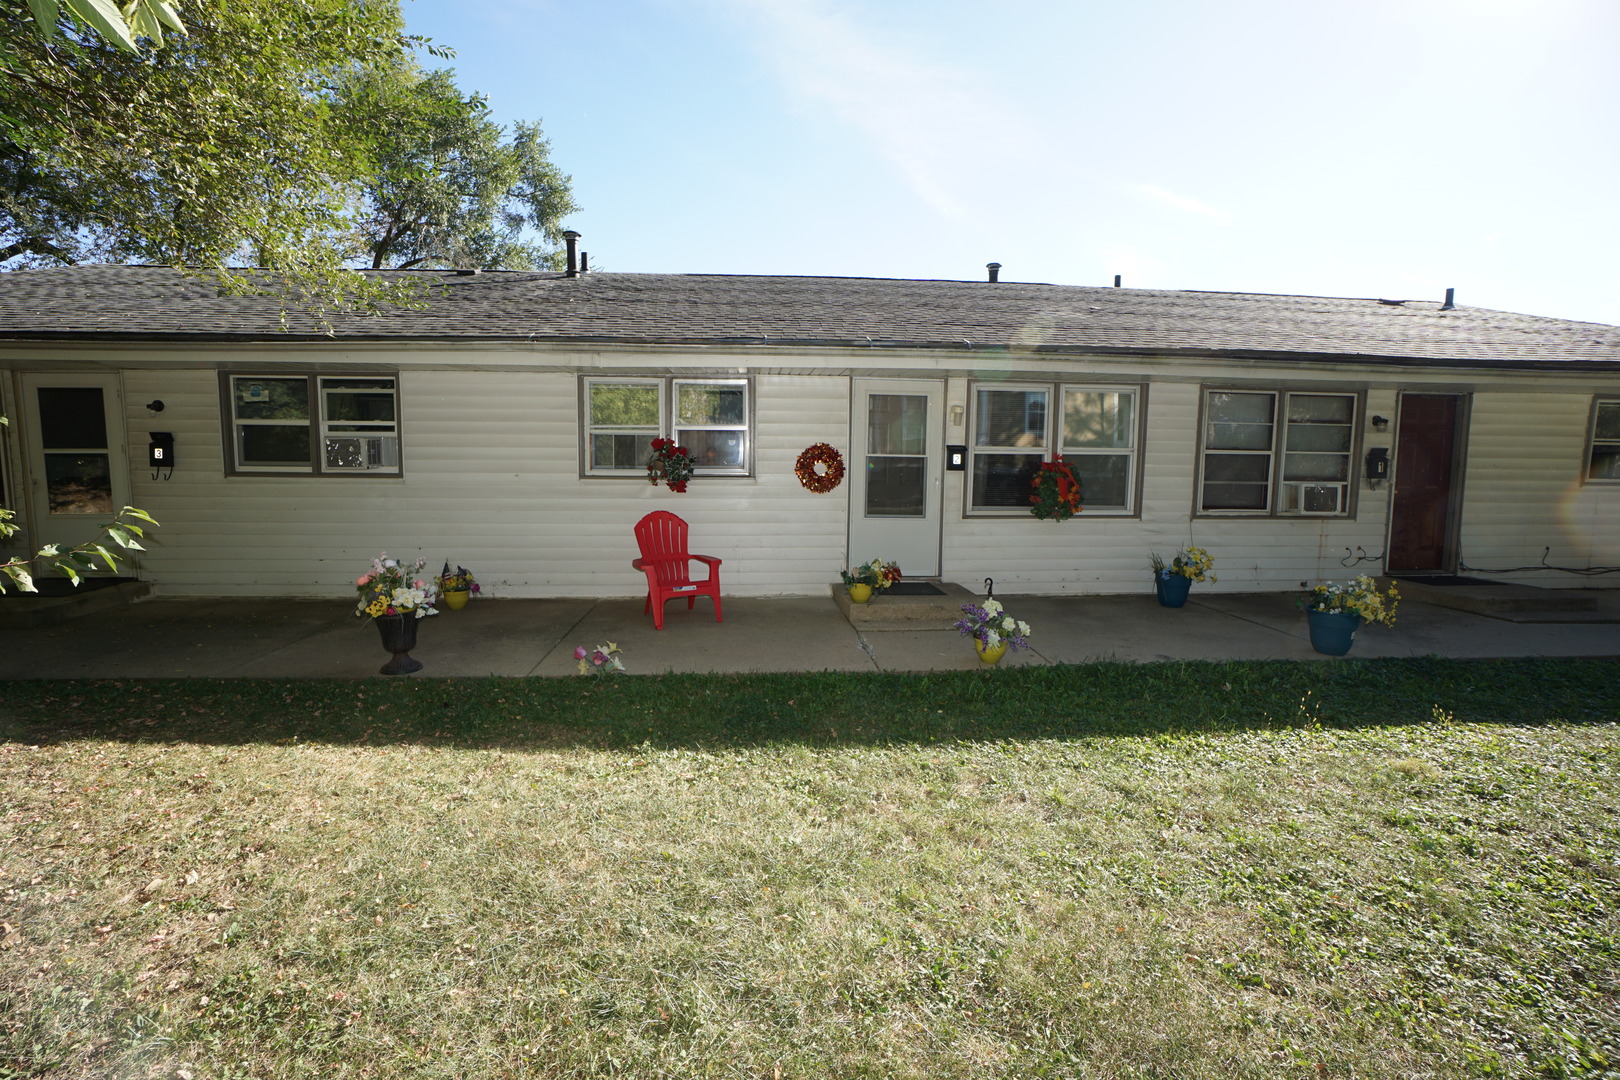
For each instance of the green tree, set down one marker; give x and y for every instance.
(444, 187)
(220, 147)
(142, 19)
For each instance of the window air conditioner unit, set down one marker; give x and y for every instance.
(1306, 498)
(362, 452)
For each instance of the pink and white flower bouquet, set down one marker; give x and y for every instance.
(391, 587)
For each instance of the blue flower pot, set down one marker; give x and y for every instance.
(1173, 589)
(1332, 632)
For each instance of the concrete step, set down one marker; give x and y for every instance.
(1503, 600)
(887, 611)
(58, 601)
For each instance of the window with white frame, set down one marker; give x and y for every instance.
(1015, 428)
(1603, 458)
(1279, 452)
(712, 418)
(320, 424)
(1099, 441)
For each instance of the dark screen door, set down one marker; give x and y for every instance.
(1422, 527)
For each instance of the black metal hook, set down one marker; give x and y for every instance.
(989, 588)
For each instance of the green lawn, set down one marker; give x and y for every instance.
(1358, 869)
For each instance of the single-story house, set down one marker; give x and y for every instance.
(505, 426)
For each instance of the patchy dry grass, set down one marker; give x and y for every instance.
(1377, 870)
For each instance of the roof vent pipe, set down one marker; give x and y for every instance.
(584, 262)
(571, 238)
(995, 271)
(1451, 300)
(1116, 281)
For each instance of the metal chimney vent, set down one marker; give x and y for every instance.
(995, 271)
(571, 238)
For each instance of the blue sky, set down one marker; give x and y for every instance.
(1385, 148)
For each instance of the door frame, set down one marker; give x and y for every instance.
(42, 527)
(925, 534)
(1451, 552)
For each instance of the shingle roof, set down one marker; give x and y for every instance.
(140, 303)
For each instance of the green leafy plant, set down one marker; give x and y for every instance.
(121, 28)
(670, 463)
(126, 530)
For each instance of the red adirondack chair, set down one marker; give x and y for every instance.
(667, 564)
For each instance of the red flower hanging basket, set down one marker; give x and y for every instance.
(1056, 491)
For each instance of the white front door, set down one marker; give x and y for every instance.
(78, 478)
(896, 446)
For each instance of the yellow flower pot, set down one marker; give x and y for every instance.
(455, 599)
(860, 594)
(990, 654)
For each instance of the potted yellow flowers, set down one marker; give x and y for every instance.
(1333, 612)
(1173, 581)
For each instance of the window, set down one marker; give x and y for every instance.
(1099, 440)
(1277, 452)
(710, 417)
(1603, 463)
(1095, 428)
(333, 425)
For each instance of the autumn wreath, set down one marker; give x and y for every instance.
(826, 458)
(1057, 491)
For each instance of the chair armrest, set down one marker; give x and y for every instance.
(710, 560)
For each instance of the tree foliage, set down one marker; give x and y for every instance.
(142, 19)
(444, 188)
(261, 136)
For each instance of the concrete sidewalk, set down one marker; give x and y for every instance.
(176, 638)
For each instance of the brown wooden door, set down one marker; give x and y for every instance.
(1422, 526)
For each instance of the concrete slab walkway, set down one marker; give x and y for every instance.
(177, 638)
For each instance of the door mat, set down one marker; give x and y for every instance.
(914, 588)
(1442, 579)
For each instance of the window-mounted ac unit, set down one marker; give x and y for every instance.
(1308, 498)
(362, 452)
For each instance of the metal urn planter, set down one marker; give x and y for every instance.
(398, 637)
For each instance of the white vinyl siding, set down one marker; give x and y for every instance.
(1603, 455)
(1521, 506)
(493, 485)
